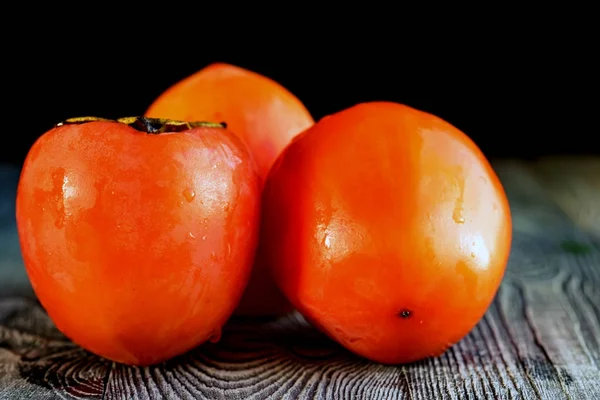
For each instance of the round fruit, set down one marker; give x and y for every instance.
(259, 110)
(138, 235)
(263, 114)
(388, 229)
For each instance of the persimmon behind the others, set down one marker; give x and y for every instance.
(264, 114)
(138, 235)
(388, 229)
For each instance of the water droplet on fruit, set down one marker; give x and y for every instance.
(189, 194)
(204, 237)
(228, 249)
(327, 241)
(192, 235)
(457, 214)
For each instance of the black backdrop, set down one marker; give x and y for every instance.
(515, 98)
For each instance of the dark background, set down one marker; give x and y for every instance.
(519, 95)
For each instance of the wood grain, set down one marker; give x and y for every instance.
(574, 183)
(539, 339)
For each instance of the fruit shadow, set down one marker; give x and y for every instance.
(288, 338)
(37, 353)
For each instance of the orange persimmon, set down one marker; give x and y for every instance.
(263, 114)
(138, 235)
(388, 229)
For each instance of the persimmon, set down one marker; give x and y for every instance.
(138, 235)
(263, 113)
(258, 109)
(387, 228)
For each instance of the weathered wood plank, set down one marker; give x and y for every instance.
(549, 268)
(574, 183)
(539, 339)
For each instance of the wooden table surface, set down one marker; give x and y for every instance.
(539, 339)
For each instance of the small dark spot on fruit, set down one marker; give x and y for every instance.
(224, 124)
(405, 313)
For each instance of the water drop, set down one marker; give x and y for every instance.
(189, 194)
(457, 215)
(204, 237)
(327, 242)
(192, 235)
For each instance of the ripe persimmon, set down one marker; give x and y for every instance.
(387, 228)
(138, 235)
(259, 110)
(263, 114)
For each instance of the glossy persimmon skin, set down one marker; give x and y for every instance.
(264, 114)
(139, 246)
(388, 229)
